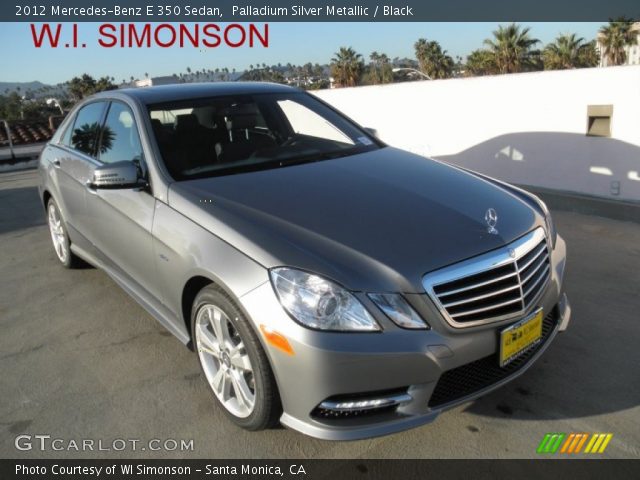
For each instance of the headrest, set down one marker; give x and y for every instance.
(156, 124)
(238, 122)
(241, 115)
(186, 122)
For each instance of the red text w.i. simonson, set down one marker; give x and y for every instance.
(130, 35)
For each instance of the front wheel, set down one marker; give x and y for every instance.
(233, 361)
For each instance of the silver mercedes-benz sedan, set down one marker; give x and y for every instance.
(342, 287)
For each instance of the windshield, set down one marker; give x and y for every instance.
(232, 134)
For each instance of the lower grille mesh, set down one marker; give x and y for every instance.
(467, 379)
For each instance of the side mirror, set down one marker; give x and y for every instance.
(116, 175)
(372, 131)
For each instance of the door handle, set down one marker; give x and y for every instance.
(90, 188)
(56, 162)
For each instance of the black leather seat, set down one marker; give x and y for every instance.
(194, 144)
(244, 138)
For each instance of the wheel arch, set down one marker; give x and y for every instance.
(189, 293)
(193, 286)
(46, 196)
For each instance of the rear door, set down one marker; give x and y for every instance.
(73, 160)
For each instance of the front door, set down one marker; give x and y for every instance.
(121, 219)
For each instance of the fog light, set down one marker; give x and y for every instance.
(365, 403)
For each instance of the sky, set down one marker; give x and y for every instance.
(295, 43)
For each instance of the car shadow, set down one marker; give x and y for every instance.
(20, 208)
(558, 160)
(592, 368)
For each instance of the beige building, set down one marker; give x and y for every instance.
(633, 51)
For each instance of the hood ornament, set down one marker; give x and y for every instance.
(491, 217)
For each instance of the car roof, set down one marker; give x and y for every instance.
(186, 91)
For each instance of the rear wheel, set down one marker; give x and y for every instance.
(59, 236)
(233, 361)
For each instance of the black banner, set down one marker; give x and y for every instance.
(315, 10)
(319, 469)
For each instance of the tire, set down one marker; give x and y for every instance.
(233, 362)
(60, 238)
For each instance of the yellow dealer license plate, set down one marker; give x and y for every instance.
(520, 336)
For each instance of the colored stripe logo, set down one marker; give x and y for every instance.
(573, 443)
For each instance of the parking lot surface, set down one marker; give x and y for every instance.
(79, 359)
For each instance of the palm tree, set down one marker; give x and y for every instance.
(480, 62)
(380, 70)
(346, 67)
(615, 37)
(512, 49)
(432, 59)
(374, 74)
(569, 51)
(589, 55)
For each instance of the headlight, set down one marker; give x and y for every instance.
(398, 310)
(318, 303)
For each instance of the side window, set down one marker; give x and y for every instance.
(86, 128)
(66, 136)
(120, 140)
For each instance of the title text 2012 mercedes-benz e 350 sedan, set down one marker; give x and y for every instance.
(340, 286)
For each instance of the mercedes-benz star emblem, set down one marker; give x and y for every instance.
(491, 217)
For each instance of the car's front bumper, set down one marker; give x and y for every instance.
(343, 366)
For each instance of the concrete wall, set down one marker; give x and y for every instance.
(527, 128)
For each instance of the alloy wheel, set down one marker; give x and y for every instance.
(225, 361)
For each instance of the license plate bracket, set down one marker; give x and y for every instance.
(519, 337)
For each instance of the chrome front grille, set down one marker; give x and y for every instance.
(501, 284)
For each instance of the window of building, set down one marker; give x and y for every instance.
(599, 120)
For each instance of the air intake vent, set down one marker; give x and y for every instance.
(501, 284)
(468, 379)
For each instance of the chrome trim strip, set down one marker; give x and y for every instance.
(546, 257)
(540, 277)
(482, 264)
(478, 285)
(544, 247)
(480, 297)
(484, 309)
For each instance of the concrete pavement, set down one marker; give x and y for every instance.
(81, 360)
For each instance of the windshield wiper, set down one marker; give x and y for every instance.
(316, 157)
(270, 164)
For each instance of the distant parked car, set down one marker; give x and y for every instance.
(327, 281)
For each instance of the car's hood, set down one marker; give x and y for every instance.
(376, 221)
